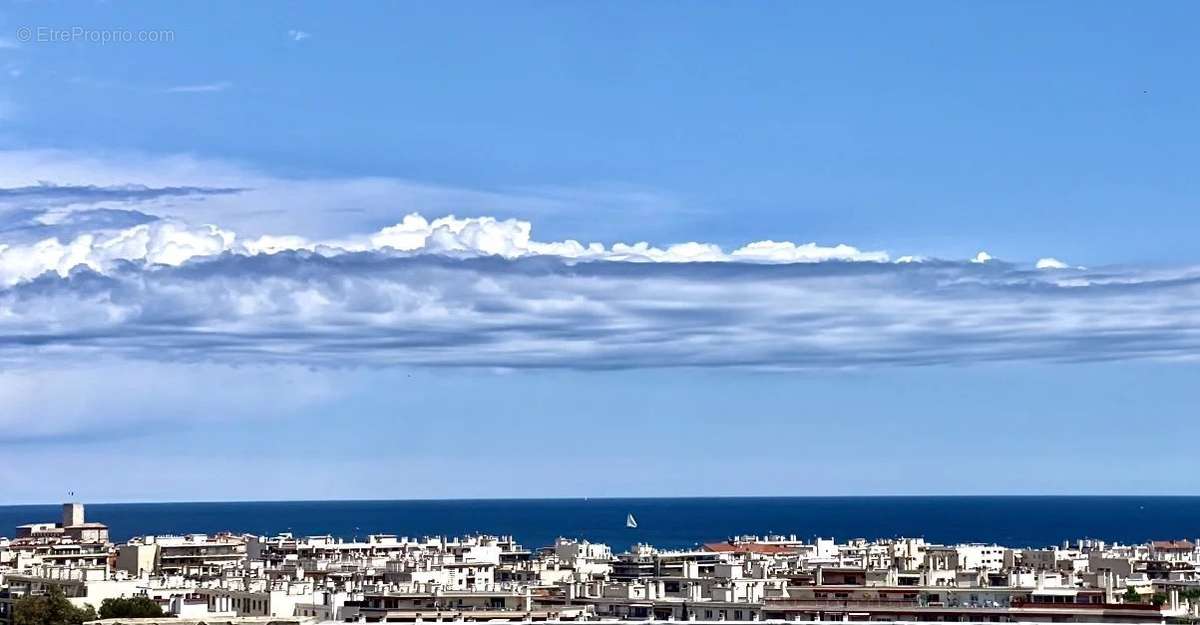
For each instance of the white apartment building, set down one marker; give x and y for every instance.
(192, 555)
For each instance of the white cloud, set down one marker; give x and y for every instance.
(981, 258)
(788, 252)
(162, 242)
(1050, 263)
(298, 35)
(172, 242)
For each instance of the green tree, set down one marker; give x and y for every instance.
(1158, 599)
(52, 608)
(1131, 596)
(133, 607)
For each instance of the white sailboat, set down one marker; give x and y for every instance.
(630, 522)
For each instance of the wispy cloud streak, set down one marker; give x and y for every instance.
(211, 87)
(50, 194)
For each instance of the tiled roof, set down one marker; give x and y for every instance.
(748, 548)
(1167, 545)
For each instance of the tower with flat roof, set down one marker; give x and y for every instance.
(72, 514)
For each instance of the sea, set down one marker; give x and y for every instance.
(676, 523)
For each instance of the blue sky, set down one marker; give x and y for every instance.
(204, 239)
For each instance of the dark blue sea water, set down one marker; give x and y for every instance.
(1013, 521)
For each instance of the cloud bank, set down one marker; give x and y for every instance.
(481, 292)
(90, 267)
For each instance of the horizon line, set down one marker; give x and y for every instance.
(604, 498)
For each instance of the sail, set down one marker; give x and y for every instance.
(630, 521)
